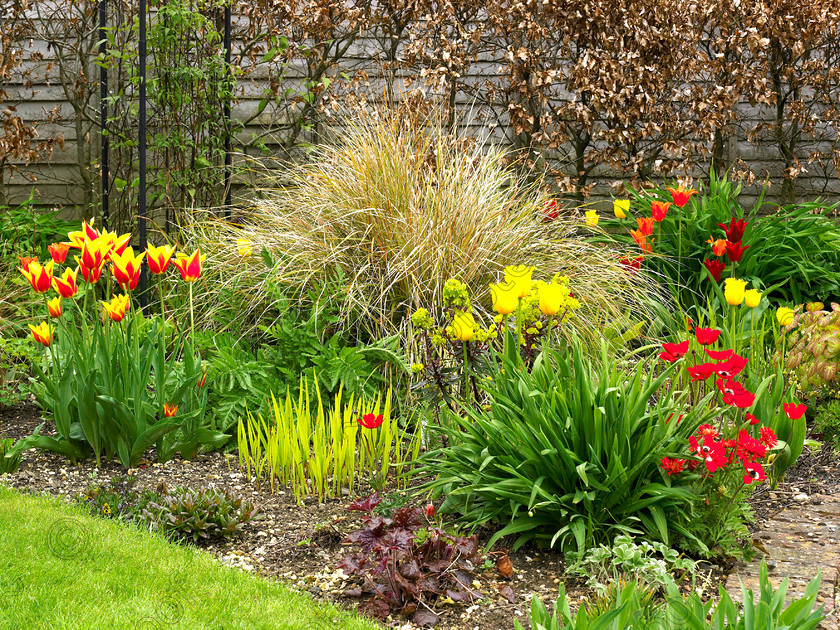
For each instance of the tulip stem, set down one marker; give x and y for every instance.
(192, 317)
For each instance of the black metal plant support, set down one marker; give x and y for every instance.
(103, 107)
(227, 112)
(141, 215)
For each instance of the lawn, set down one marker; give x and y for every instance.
(61, 568)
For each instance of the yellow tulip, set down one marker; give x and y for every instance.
(505, 297)
(621, 207)
(551, 298)
(784, 315)
(591, 218)
(244, 247)
(520, 275)
(752, 298)
(463, 326)
(734, 290)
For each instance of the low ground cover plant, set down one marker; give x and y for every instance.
(407, 562)
(183, 514)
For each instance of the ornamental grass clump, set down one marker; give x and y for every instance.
(399, 206)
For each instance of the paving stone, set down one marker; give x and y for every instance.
(802, 540)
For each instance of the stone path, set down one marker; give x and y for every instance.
(800, 541)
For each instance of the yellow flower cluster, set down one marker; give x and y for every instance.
(736, 293)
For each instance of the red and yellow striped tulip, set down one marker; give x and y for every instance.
(39, 276)
(158, 258)
(113, 245)
(65, 285)
(42, 333)
(87, 233)
(126, 268)
(93, 253)
(54, 306)
(169, 411)
(90, 275)
(117, 307)
(190, 266)
(58, 251)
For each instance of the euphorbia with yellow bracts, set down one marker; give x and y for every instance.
(527, 310)
(109, 366)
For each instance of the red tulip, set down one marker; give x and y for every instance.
(735, 230)
(715, 268)
(58, 251)
(645, 226)
(681, 195)
(369, 421)
(734, 251)
(794, 411)
(631, 265)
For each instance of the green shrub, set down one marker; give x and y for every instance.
(631, 605)
(568, 453)
(196, 515)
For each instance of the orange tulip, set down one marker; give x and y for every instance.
(641, 240)
(189, 266)
(681, 195)
(54, 306)
(117, 307)
(39, 276)
(158, 258)
(58, 251)
(645, 226)
(169, 410)
(65, 285)
(659, 209)
(718, 246)
(42, 333)
(126, 268)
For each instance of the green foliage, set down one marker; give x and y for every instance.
(181, 513)
(795, 251)
(567, 453)
(312, 449)
(97, 384)
(10, 455)
(650, 562)
(631, 605)
(196, 515)
(25, 231)
(827, 423)
(16, 356)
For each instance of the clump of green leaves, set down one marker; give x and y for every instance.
(827, 423)
(567, 453)
(632, 605)
(184, 514)
(10, 455)
(196, 515)
(654, 563)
